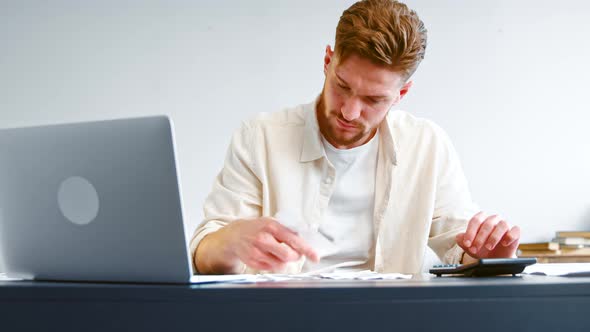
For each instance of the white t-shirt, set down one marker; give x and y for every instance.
(349, 216)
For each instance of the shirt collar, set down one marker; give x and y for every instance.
(313, 149)
(387, 144)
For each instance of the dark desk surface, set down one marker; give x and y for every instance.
(424, 303)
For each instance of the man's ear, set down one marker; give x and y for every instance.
(328, 58)
(404, 90)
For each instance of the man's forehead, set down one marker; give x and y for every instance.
(368, 84)
(356, 70)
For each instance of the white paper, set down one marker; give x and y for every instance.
(559, 269)
(364, 275)
(351, 276)
(339, 267)
(205, 279)
(253, 278)
(4, 277)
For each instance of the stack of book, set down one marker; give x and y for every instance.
(566, 247)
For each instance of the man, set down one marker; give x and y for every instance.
(384, 185)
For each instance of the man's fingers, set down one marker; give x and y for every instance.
(460, 240)
(265, 259)
(497, 234)
(489, 237)
(254, 258)
(283, 252)
(259, 265)
(472, 229)
(511, 236)
(484, 232)
(267, 243)
(283, 234)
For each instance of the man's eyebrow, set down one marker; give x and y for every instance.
(373, 97)
(341, 79)
(378, 97)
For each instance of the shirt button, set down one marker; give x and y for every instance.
(328, 180)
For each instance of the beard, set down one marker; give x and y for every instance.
(340, 137)
(333, 132)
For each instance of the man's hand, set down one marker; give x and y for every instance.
(260, 243)
(489, 237)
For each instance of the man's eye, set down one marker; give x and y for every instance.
(343, 87)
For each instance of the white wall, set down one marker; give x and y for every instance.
(506, 79)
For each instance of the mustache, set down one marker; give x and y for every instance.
(355, 124)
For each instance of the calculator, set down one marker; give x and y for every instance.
(485, 267)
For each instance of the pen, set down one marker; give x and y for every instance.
(328, 237)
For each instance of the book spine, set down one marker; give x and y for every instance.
(580, 241)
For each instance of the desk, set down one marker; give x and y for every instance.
(424, 303)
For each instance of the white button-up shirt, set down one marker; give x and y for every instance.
(276, 161)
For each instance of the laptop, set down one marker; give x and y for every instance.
(92, 201)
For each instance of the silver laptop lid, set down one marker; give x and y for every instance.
(94, 201)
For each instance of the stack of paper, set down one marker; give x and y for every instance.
(4, 277)
(559, 269)
(250, 278)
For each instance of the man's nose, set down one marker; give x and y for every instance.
(351, 109)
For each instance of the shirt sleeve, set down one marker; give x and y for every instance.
(453, 206)
(236, 192)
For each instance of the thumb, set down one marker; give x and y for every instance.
(459, 238)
